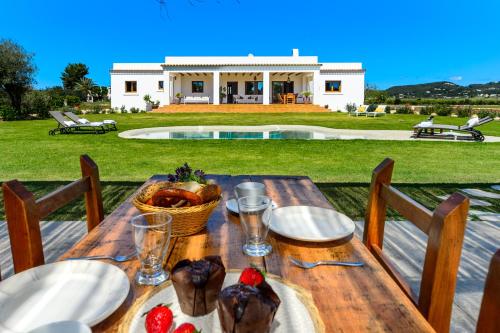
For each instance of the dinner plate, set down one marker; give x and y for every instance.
(232, 206)
(82, 290)
(296, 313)
(311, 224)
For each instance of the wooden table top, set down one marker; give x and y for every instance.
(359, 299)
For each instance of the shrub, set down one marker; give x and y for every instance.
(350, 107)
(488, 113)
(96, 109)
(427, 110)
(387, 109)
(123, 109)
(36, 103)
(465, 111)
(72, 100)
(7, 113)
(134, 110)
(443, 110)
(404, 110)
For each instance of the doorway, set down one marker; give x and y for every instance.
(281, 87)
(232, 90)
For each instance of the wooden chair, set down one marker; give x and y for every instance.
(445, 228)
(488, 321)
(24, 212)
(290, 98)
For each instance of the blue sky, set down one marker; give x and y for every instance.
(398, 41)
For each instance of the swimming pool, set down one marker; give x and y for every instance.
(271, 132)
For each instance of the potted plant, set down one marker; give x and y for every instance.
(222, 94)
(179, 97)
(156, 105)
(307, 96)
(149, 102)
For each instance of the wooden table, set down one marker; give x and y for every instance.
(363, 299)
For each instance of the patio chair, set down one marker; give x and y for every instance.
(490, 307)
(437, 131)
(108, 123)
(379, 111)
(445, 228)
(360, 111)
(23, 212)
(65, 126)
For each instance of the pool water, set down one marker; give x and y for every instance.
(236, 135)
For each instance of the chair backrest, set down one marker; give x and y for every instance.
(23, 212)
(445, 228)
(380, 108)
(362, 108)
(72, 116)
(488, 321)
(58, 116)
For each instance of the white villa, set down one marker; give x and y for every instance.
(242, 80)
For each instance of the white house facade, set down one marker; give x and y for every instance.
(242, 80)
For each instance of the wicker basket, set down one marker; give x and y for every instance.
(185, 220)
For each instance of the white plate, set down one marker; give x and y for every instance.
(232, 206)
(292, 316)
(311, 224)
(63, 327)
(82, 290)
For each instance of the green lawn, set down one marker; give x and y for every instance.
(29, 153)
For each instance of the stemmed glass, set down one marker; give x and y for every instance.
(151, 237)
(255, 217)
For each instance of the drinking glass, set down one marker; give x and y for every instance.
(255, 217)
(248, 189)
(151, 238)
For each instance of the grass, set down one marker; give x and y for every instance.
(30, 154)
(350, 199)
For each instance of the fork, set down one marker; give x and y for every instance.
(307, 265)
(115, 258)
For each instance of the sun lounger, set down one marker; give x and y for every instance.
(65, 126)
(360, 111)
(379, 111)
(437, 131)
(109, 124)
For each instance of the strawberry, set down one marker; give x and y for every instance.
(251, 276)
(159, 319)
(186, 328)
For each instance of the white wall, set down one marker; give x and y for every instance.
(146, 84)
(353, 90)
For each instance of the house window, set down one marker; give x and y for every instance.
(197, 86)
(333, 86)
(254, 87)
(160, 85)
(130, 86)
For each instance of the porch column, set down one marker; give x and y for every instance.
(266, 87)
(167, 83)
(216, 83)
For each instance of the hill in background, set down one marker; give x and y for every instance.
(445, 89)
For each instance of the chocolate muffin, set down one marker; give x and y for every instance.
(246, 309)
(198, 283)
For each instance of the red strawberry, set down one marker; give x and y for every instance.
(186, 328)
(251, 276)
(159, 319)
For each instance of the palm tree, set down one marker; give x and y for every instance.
(86, 86)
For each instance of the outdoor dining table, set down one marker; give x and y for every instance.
(348, 299)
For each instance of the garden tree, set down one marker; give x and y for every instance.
(72, 74)
(86, 87)
(100, 92)
(16, 72)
